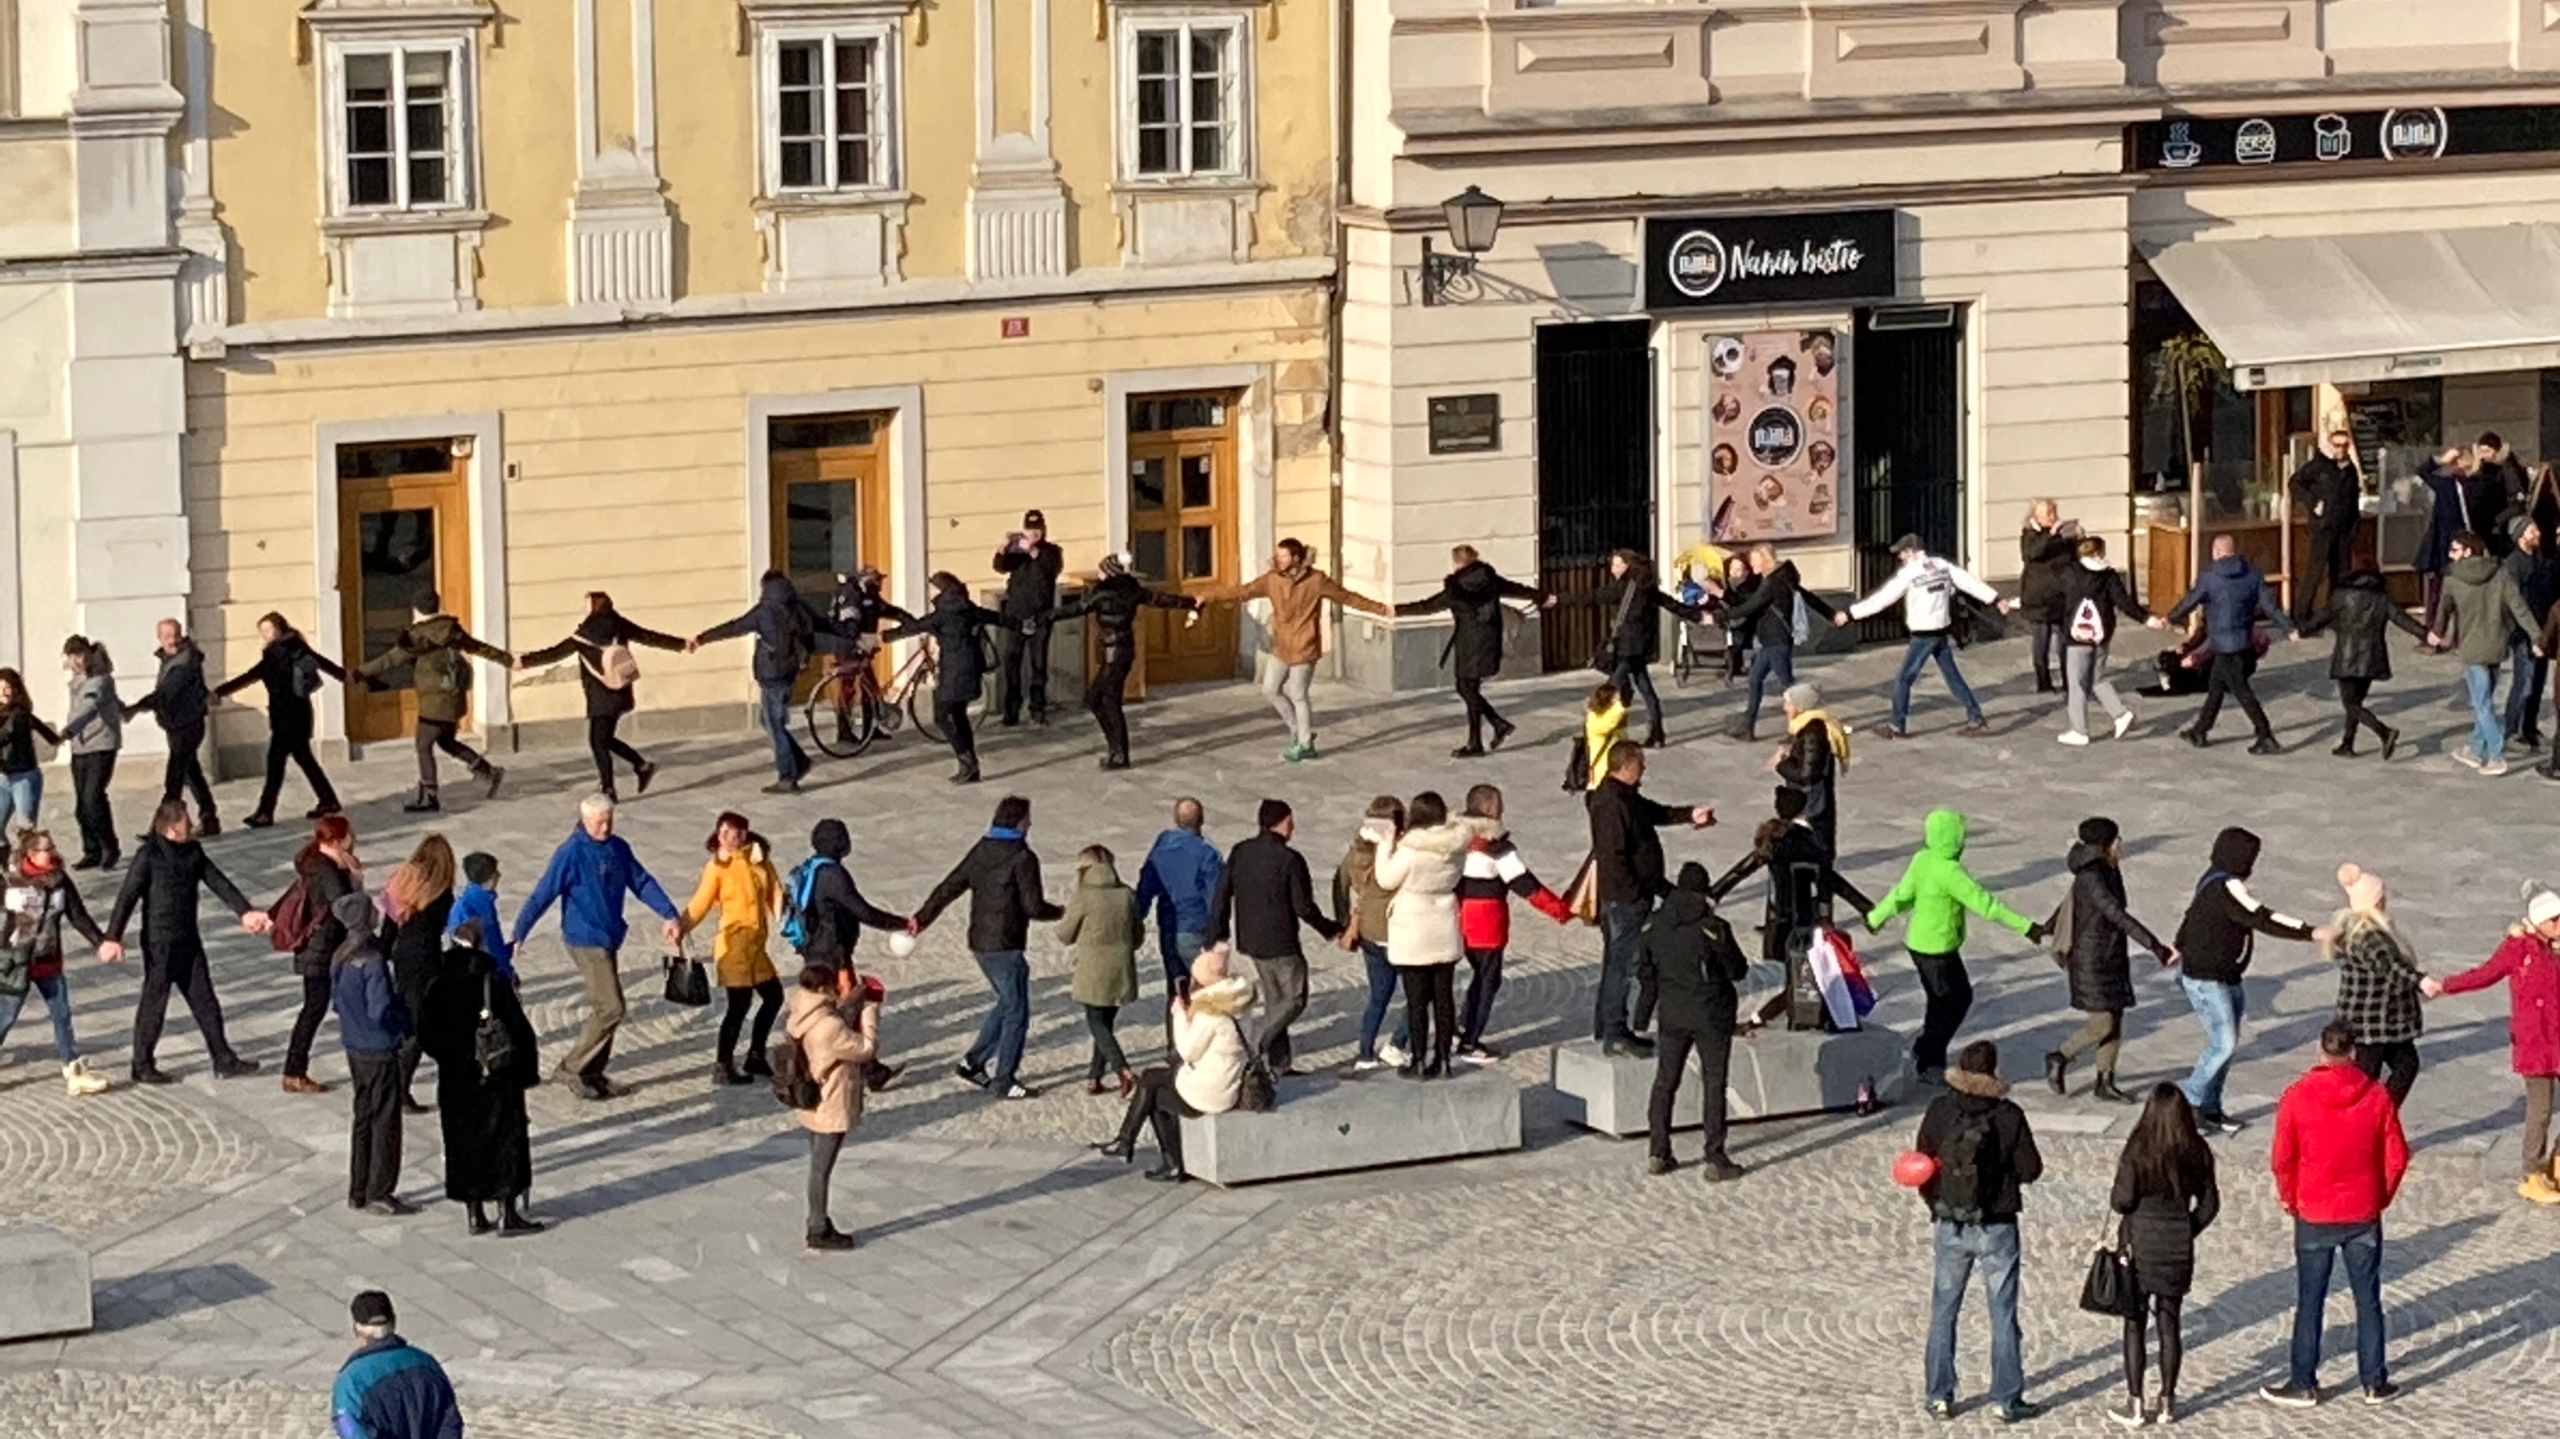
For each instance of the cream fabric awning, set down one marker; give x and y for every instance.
(2399, 305)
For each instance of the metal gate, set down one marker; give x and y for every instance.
(1595, 471)
(1907, 399)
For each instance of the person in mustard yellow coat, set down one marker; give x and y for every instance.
(739, 879)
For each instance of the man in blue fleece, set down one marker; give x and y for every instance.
(590, 875)
(387, 1389)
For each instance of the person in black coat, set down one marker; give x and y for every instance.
(2361, 611)
(291, 671)
(1692, 965)
(1817, 751)
(2047, 545)
(2443, 476)
(2092, 598)
(1264, 895)
(833, 920)
(859, 610)
(488, 1144)
(958, 629)
(1114, 600)
(602, 642)
(413, 940)
(1001, 877)
(1803, 882)
(1627, 877)
(1472, 595)
(328, 871)
(1768, 611)
(1633, 600)
(786, 631)
(179, 701)
(2091, 932)
(169, 876)
(2166, 1190)
(1030, 566)
(2327, 492)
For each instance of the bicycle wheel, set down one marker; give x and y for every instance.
(842, 717)
(920, 711)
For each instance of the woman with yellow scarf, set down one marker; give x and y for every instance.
(1817, 749)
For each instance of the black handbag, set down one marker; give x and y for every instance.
(491, 1044)
(1255, 1091)
(2109, 1289)
(687, 984)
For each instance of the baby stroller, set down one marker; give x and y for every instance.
(1707, 644)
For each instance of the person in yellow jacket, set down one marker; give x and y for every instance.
(740, 880)
(1604, 723)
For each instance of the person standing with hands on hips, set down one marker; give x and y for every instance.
(1030, 566)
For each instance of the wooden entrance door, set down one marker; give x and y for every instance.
(1182, 528)
(830, 484)
(403, 531)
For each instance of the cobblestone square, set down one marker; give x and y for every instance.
(1012, 1284)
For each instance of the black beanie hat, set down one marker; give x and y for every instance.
(830, 839)
(2235, 852)
(2098, 831)
(1694, 878)
(1272, 813)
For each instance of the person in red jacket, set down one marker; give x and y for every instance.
(2530, 965)
(2339, 1156)
(1493, 873)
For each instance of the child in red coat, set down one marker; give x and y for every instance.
(2529, 963)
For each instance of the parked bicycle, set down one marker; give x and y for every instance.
(850, 709)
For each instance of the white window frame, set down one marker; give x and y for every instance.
(462, 122)
(1239, 122)
(888, 109)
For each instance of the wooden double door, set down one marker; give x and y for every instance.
(830, 491)
(1183, 528)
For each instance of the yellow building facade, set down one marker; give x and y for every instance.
(649, 296)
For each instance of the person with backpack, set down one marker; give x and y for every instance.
(2093, 933)
(1101, 926)
(2090, 595)
(304, 924)
(167, 881)
(291, 671)
(1472, 595)
(2361, 612)
(93, 730)
(1001, 877)
(21, 776)
(373, 1025)
(1493, 875)
(486, 1058)
(607, 673)
(178, 700)
(2166, 1191)
(2529, 964)
(437, 652)
(1779, 614)
(1210, 1058)
(823, 916)
(2233, 597)
(1926, 587)
(1938, 893)
(831, 1039)
(478, 902)
(41, 899)
(1984, 1156)
(590, 875)
(1604, 724)
(958, 627)
(739, 881)
(2216, 939)
(786, 632)
(2339, 1157)
(1113, 602)
(1691, 962)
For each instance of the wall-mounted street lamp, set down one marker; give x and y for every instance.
(1474, 219)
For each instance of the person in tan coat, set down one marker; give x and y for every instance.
(836, 1038)
(1102, 924)
(1298, 592)
(738, 880)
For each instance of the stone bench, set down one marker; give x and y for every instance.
(1781, 1072)
(44, 1284)
(1326, 1125)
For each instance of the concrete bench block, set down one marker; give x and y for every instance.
(1327, 1125)
(44, 1284)
(1781, 1072)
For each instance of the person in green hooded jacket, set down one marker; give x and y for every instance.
(437, 652)
(1937, 893)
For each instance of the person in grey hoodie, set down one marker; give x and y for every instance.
(179, 701)
(2483, 608)
(94, 732)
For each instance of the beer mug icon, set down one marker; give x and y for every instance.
(2330, 139)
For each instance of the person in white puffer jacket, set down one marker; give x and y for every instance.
(1421, 867)
(1927, 586)
(1207, 1076)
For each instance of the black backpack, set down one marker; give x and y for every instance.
(793, 1088)
(1964, 1169)
(304, 673)
(491, 1045)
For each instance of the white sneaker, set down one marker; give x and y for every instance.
(1364, 1066)
(1392, 1057)
(2073, 738)
(77, 1080)
(2124, 722)
(2465, 757)
(2494, 768)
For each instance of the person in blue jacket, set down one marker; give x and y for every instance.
(373, 1022)
(390, 1388)
(2234, 597)
(479, 901)
(1176, 886)
(590, 875)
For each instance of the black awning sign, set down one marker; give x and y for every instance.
(1841, 255)
(2409, 135)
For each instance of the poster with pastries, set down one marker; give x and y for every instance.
(1773, 435)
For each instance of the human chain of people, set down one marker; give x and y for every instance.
(420, 968)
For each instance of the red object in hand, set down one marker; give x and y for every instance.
(1914, 1169)
(873, 991)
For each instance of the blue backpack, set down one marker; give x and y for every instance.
(797, 892)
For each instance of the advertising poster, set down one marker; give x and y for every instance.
(1773, 435)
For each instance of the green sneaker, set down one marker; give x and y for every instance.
(1307, 750)
(1294, 753)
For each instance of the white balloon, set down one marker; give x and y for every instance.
(902, 944)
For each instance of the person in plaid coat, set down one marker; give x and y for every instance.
(2379, 985)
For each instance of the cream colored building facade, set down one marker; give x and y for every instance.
(648, 296)
(2005, 170)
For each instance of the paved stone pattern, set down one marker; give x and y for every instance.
(1010, 1284)
(78, 1404)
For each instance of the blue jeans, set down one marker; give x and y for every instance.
(2488, 729)
(2316, 1247)
(789, 760)
(2524, 688)
(1621, 944)
(1008, 1024)
(1382, 997)
(19, 796)
(1634, 680)
(1924, 648)
(2219, 1008)
(1961, 1249)
(57, 1003)
(1768, 662)
(1178, 950)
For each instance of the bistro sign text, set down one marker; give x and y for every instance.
(1768, 259)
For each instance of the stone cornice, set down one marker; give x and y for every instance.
(154, 264)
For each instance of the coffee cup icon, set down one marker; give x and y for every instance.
(2180, 150)
(2330, 139)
